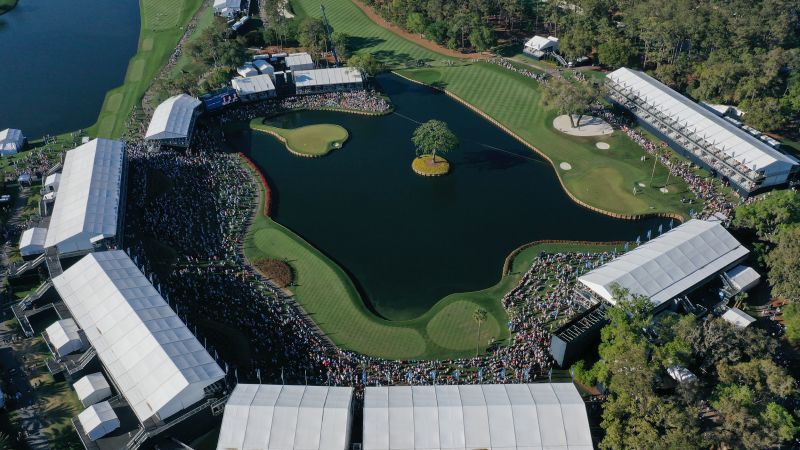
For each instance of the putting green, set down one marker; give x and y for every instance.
(309, 141)
(454, 322)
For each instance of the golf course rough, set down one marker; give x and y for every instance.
(311, 141)
(426, 167)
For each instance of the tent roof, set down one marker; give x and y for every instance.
(541, 42)
(325, 77)
(234, 4)
(297, 59)
(88, 194)
(33, 237)
(738, 317)
(670, 264)
(90, 384)
(253, 85)
(732, 140)
(743, 277)
(53, 178)
(62, 332)
(148, 351)
(487, 416)
(96, 416)
(172, 118)
(11, 138)
(680, 374)
(286, 417)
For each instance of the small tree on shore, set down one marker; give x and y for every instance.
(570, 98)
(479, 315)
(434, 136)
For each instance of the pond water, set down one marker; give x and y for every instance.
(407, 241)
(59, 59)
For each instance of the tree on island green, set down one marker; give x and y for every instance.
(434, 136)
(479, 315)
(570, 98)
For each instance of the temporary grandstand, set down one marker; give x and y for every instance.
(728, 151)
(670, 265)
(328, 80)
(227, 8)
(152, 358)
(287, 417)
(87, 212)
(11, 141)
(255, 88)
(173, 121)
(31, 242)
(489, 416)
(299, 61)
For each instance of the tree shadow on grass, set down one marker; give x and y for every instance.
(357, 43)
(57, 414)
(391, 58)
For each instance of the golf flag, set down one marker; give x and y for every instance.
(282, 379)
(258, 375)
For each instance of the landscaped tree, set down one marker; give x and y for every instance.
(570, 98)
(365, 62)
(769, 213)
(434, 137)
(479, 315)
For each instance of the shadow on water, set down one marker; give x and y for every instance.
(405, 240)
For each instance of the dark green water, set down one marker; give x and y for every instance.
(407, 241)
(59, 58)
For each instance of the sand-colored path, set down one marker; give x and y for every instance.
(588, 126)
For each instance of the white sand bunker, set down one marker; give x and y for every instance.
(664, 190)
(565, 166)
(642, 185)
(587, 126)
(602, 145)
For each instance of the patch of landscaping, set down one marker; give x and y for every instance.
(277, 271)
(426, 166)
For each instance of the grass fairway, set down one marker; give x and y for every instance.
(163, 24)
(331, 299)
(603, 179)
(309, 141)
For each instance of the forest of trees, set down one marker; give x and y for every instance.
(739, 52)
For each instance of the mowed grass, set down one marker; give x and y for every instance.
(163, 24)
(601, 178)
(330, 298)
(311, 140)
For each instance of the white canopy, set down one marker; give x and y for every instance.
(155, 361)
(499, 416)
(743, 278)
(681, 374)
(733, 141)
(253, 85)
(542, 43)
(63, 336)
(299, 61)
(92, 388)
(98, 420)
(327, 77)
(286, 417)
(670, 264)
(738, 318)
(247, 70)
(219, 5)
(264, 67)
(32, 241)
(53, 181)
(173, 118)
(87, 206)
(11, 141)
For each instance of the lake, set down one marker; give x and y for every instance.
(59, 58)
(407, 241)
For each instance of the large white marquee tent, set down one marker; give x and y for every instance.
(287, 417)
(156, 363)
(669, 265)
(323, 80)
(734, 142)
(254, 88)
(499, 416)
(173, 119)
(88, 202)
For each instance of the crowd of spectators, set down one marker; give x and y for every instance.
(359, 101)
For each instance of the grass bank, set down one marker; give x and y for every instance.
(330, 298)
(310, 141)
(163, 24)
(7, 5)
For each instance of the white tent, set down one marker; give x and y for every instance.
(11, 141)
(322, 80)
(735, 143)
(173, 118)
(287, 417)
(98, 420)
(264, 67)
(499, 416)
(681, 374)
(247, 70)
(669, 265)
(738, 318)
(52, 181)
(299, 61)
(92, 388)
(542, 44)
(87, 207)
(227, 8)
(155, 361)
(254, 88)
(743, 278)
(63, 336)
(32, 241)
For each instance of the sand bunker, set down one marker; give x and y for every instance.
(602, 145)
(565, 166)
(588, 126)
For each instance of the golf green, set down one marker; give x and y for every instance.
(308, 141)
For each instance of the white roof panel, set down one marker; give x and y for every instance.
(92, 385)
(487, 416)
(157, 363)
(88, 199)
(172, 119)
(743, 277)
(298, 59)
(63, 335)
(738, 317)
(327, 77)
(286, 417)
(31, 242)
(670, 264)
(11, 140)
(253, 85)
(98, 420)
